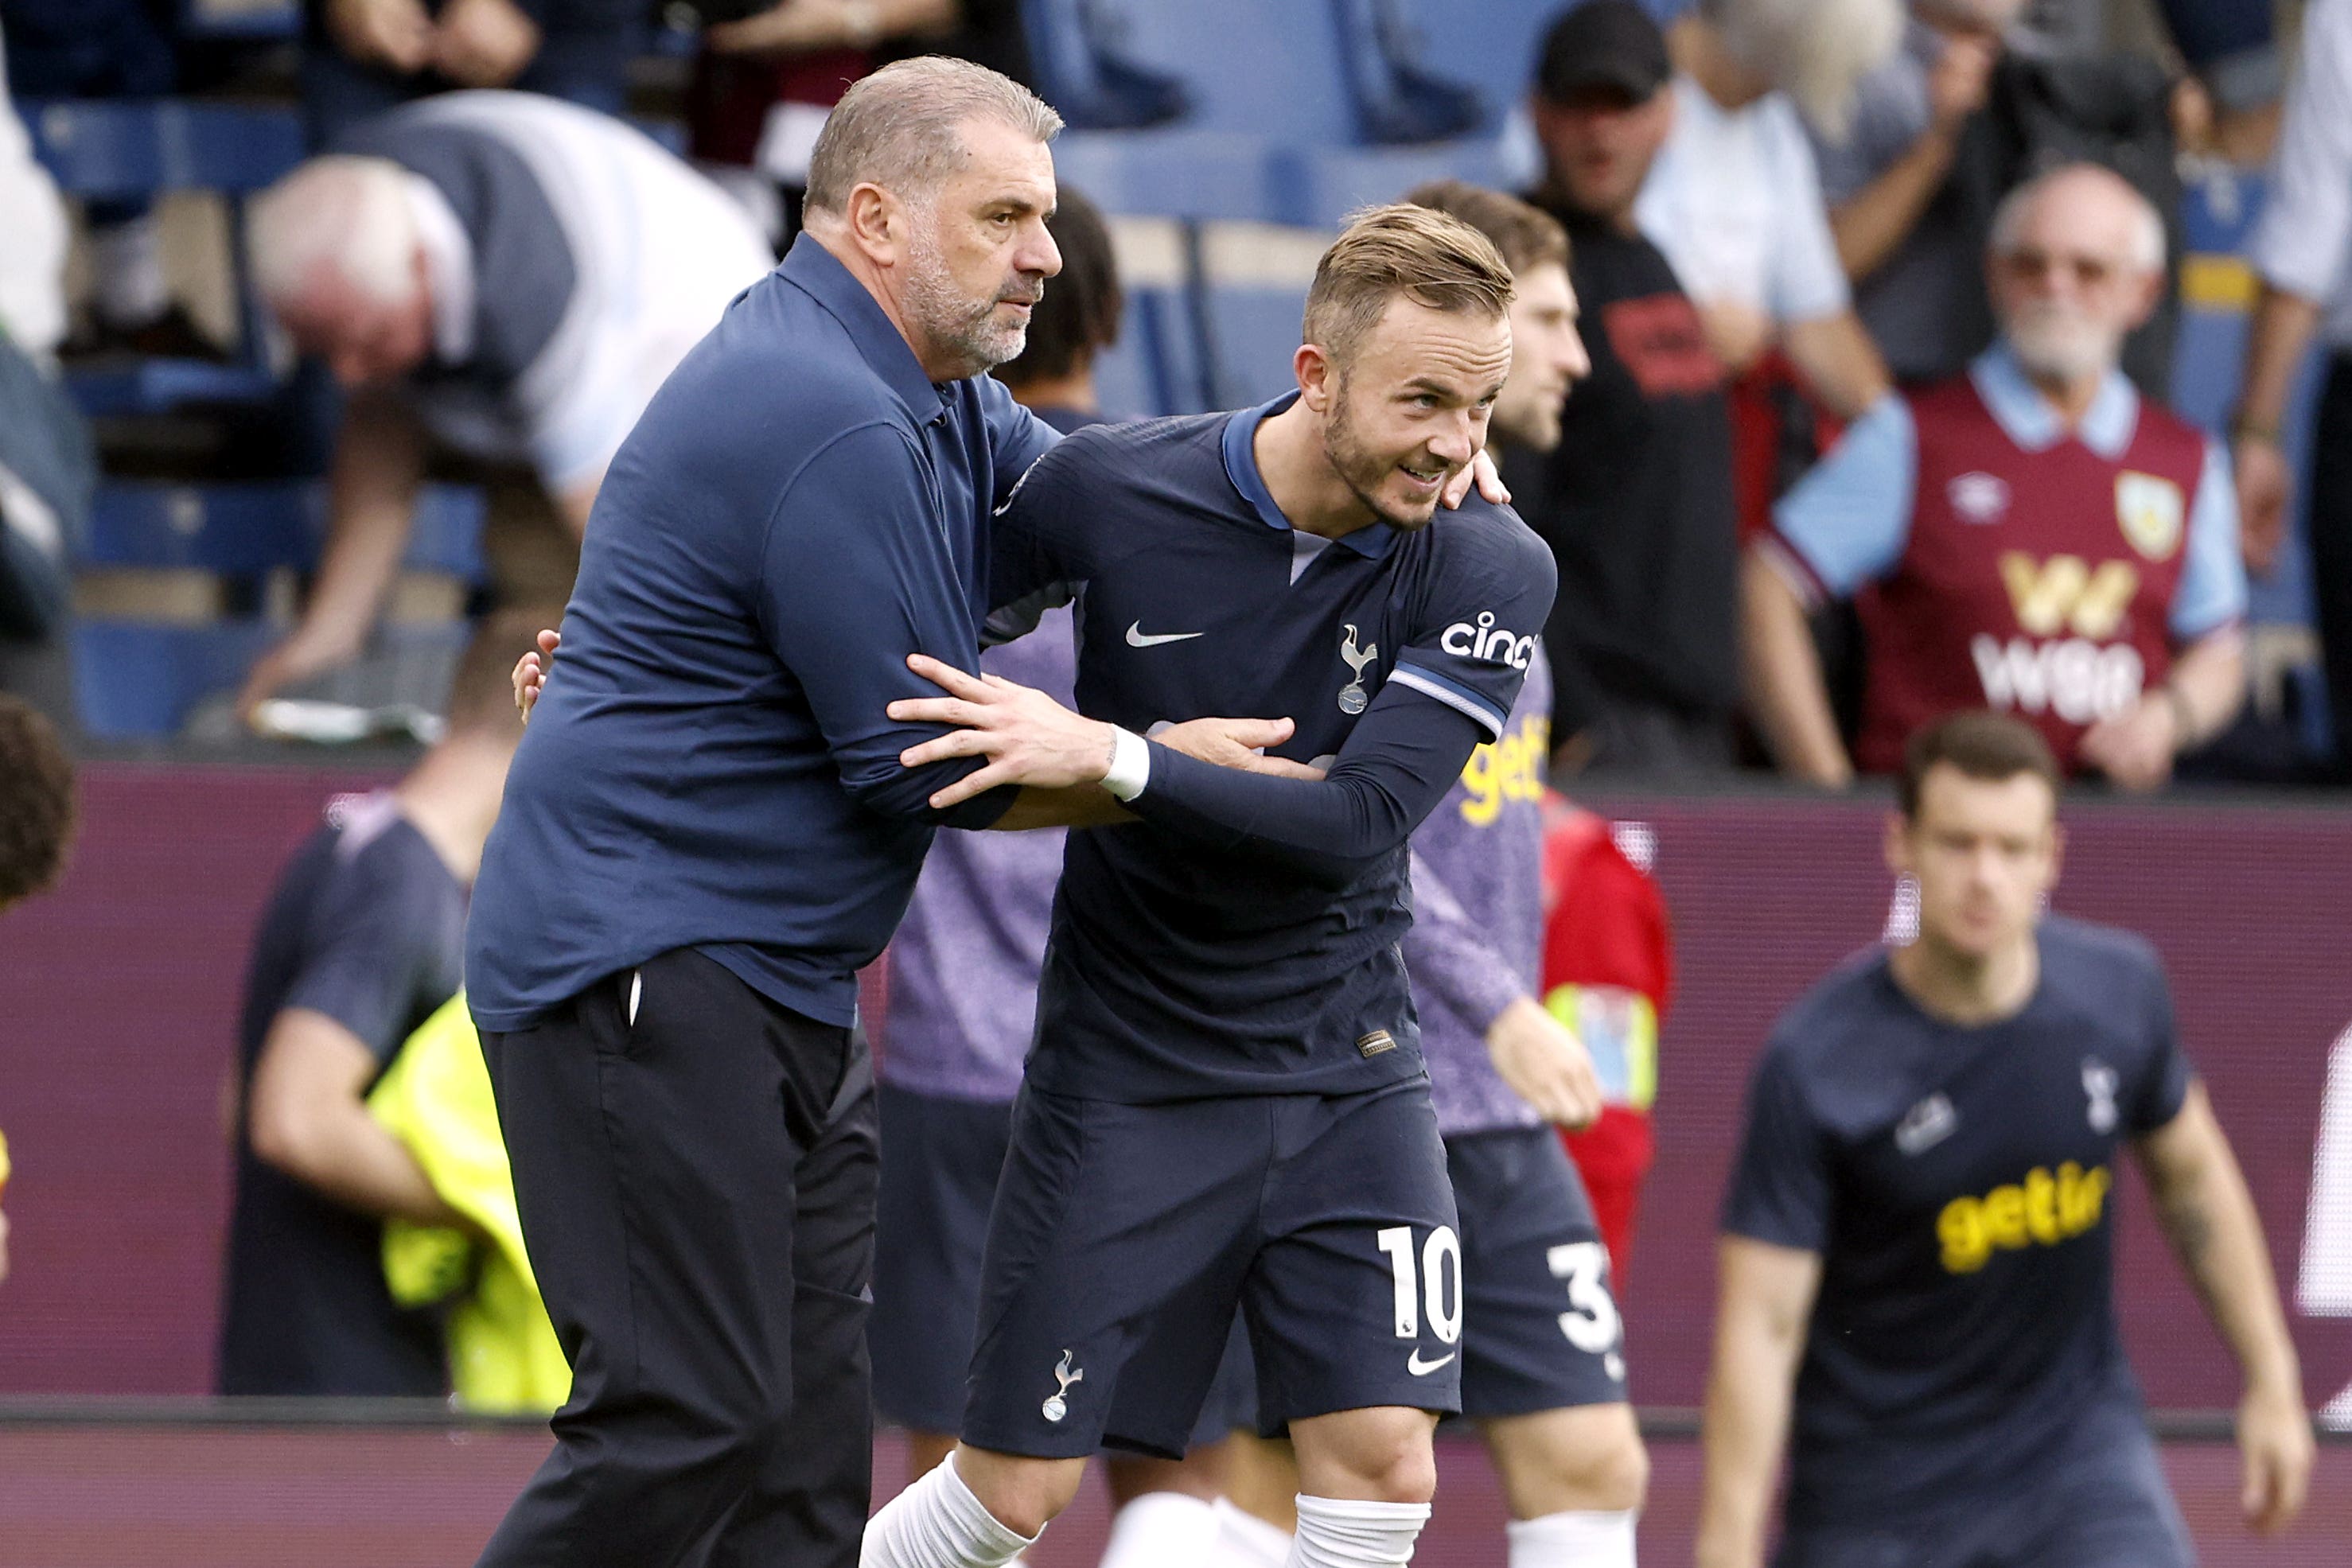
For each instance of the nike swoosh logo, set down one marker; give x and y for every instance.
(1419, 1368)
(1137, 638)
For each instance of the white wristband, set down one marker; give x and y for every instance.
(1130, 765)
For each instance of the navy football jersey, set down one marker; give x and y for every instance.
(1959, 1184)
(1183, 964)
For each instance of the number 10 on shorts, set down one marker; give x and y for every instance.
(1435, 1283)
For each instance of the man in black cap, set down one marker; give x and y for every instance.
(1636, 499)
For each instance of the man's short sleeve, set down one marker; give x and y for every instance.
(2163, 1084)
(1779, 1190)
(383, 939)
(1848, 520)
(1490, 596)
(1807, 281)
(1889, 115)
(2211, 593)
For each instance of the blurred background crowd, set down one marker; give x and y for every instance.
(224, 489)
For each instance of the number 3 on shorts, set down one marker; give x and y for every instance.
(1437, 1282)
(1591, 1324)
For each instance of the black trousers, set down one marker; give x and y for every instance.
(2330, 522)
(696, 1187)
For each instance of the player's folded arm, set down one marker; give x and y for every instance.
(856, 574)
(1397, 763)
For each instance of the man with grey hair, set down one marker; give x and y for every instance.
(499, 280)
(2028, 536)
(709, 829)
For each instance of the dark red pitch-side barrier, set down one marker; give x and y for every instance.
(119, 994)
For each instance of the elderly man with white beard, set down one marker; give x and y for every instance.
(2028, 537)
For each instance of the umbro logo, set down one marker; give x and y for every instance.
(1926, 1124)
(1138, 638)
(1420, 1368)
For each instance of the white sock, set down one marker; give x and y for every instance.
(1245, 1541)
(938, 1523)
(1578, 1540)
(126, 262)
(1333, 1533)
(1162, 1530)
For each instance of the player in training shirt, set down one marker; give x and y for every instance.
(1226, 1102)
(1918, 1238)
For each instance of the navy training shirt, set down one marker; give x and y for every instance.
(1242, 939)
(1959, 1184)
(366, 926)
(711, 765)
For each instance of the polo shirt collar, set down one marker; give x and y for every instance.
(2027, 418)
(1241, 467)
(818, 274)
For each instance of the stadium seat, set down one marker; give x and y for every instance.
(1246, 67)
(1155, 368)
(1172, 173)
(118, 148)
(1075, 62)
(1254, 291)
(1318, 187)
(249, 529)
(141, 678)
(1491, 44)
(253, 21)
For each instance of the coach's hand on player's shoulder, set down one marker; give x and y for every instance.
(1237, 743)
(2275, 1448)
(531, 673)
(1544, 1064)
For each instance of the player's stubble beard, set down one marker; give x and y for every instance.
(1361, 468)
(953, 321)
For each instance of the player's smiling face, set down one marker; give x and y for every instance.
(1411, 407)
(980, 255)
(1983, 853)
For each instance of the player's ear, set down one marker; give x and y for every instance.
(1319, 379)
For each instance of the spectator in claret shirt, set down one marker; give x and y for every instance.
(2029, 537)
(1635, 499)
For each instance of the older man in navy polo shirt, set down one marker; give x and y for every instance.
(707, 832)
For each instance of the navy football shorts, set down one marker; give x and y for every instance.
(1124, 1235)
(1542, 1331)
(2101, 1501)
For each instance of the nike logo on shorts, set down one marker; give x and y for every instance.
(1138, 638)
(1420, 1368)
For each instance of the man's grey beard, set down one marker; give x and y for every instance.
(951, 322)
(2076, 351)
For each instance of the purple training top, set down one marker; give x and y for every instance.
(963, 966)
(1476, 942)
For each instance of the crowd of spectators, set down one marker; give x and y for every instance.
(1784, 214)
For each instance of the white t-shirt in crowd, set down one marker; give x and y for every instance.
(1735, 202)
(2303, 244)
(32, 256)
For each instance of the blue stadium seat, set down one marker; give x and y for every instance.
(250, 528)
(1318, 187)
(1247, 66)
(137, 680)
(1174, 173)
(121, 147)
(118, 148)
(255, 21)
(1490, 44)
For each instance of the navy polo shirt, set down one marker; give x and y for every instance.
(711, 765)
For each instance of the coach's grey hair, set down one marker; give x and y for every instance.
(901, 128)
(349, 214)
(2146, 252)
(1816, 51)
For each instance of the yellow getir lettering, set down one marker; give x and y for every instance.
(2042, 1207)
(2042, 1210)
(1960, 1228)
(1485, 799)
